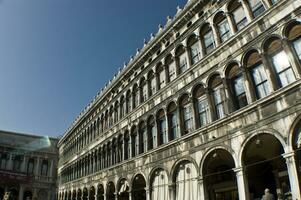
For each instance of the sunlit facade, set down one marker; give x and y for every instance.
(28, 166)
(209, 109)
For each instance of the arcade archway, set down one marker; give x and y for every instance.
(159, 185)
(27, 195)
(297, 149)
(219, 178)
(110, 191)
(265, 166)
(123, 190)
(138, 188)
(100, 192)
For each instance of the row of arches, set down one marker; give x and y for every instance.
(265, 161)
(256, 77)
(197, 46)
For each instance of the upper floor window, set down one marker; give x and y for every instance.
(135, 96)
(186, 114)
(152, 133)
(201, 106)
(143, 137)
(17, 163)
(3, 161)
(182, 60)
(171, 66)
(135, 142)
(161, 74)
(237, 86)
(122, 107)
(259, 77)
(257, 7)
(143, 87)
(152, 83)
(44, 168)
(162, 128)
(30, 166)
(173, 121)
(218, 94)
(128, 102)
(222, 25)
(294, 36)
(280, 61)
(194, 48)
(127, 146)
(207, 38)
(116, 113)
(238, 13)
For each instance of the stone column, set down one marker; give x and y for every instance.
(242, 184)
(293, 175)
(147, 192)
(249, 88)
(228, 97)
(212, 112)
(24, 164)
(202, 47)
(247, 10)
(216, 36)
(10, 162)
(267, 4)
(201, 189)
(171, 191)
(167, 80)
(130, 195)
(231, 23)
(271, 77)
(188, 57)
(37, 167)
(51, 168)
(21, 191)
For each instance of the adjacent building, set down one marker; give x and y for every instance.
(28, 166)
(209, 108)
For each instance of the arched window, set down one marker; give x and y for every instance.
(257, 7)
(152, 133)
(30, 166)
(142, 137)
(122, 107)
(173, 121)
(294, 36)
(218, 95)
(181, 59)
(106, 122)
(143, 90)
(171, 66)
(44, 168)
(280, 61)
(162, 128)
(3, 160)
(207, 38)
(161, 76)
(259, 80)
(120, 148)
(135, 96)
(111, 118)
(152, 83)
(194, 49)
(222, 25)
(201, 106)
(116, 112)
(127, 145)
(128, 102)
(17, 163)
(186, 114)
(135, 142)
(236, 79)
(238, 14)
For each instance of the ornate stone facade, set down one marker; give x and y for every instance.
(28, 166)
(210, 108)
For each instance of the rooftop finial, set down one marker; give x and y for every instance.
(179, 9)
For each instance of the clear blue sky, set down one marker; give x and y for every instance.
(55, 55)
